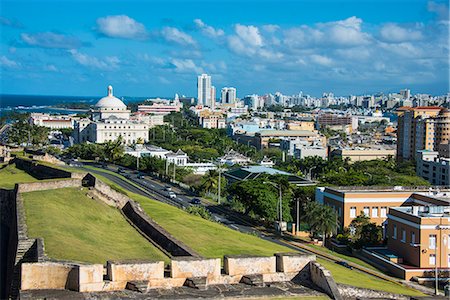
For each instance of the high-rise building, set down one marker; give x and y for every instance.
(228, 95)
(205, 90)
(422, 128)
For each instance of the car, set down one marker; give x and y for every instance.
(172, 195)
(168, 188)
(344, 264)
(196, 201)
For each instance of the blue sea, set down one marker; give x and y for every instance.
(35, 103)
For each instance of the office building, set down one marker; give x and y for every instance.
(206, 94)
(228, 95)
(433, 168)
(422, 128)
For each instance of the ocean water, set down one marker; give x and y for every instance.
(39, 103)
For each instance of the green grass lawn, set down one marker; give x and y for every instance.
(363, 280)
(75, 227)
(11, 175)
(343, 256)
(214, 240)
(210, 239)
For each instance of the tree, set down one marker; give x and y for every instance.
(114, 150)
(364, 232)
(210, 181)
(322, 219)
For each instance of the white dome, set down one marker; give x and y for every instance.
(110, 101)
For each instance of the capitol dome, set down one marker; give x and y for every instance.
(110, 101)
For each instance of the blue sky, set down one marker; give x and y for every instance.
(149, 48)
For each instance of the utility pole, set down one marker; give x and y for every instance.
(218, 190)
(298, 216)
(174, 170)
(137, 161)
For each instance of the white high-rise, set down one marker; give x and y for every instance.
(205, 91)
(228, 95)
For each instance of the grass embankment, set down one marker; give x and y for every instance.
(214, 240)
(210, 239)
(363, 280)
(10, 175)
(75, 227)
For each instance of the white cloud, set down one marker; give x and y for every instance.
(271, 28)
(174, 35)
(249, 35)
(107, 64)
(441, 9)
(50, 40)
(51, 68)
(121, 26)
(321, 60)
(8, 63)
(208, 30)
(396, 34)
(186, 66)
(346, 32)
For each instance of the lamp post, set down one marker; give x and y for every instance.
(280, 203)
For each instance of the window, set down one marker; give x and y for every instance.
(432, 259)
(394, 234)
(383, 212)
(374, 212)
(403, 236)
(366, 211)
(353, 212)
(413, 237)
(432, 241)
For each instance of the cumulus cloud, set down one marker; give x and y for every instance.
(396, 34)
(10, 22)
(208, 30)
(51, 40)
(185, 66)
(51, 68)
(321, 60)
(121, 26)
(270, 28)
(8, 63)
(246, 40)
(441, 9)
(174, 35)
(108, 63)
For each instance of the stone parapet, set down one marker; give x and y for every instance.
(47, 185)
(247, 265)
(323, 279)
(189, 267)
(134, 270)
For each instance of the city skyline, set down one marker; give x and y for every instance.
(160, 48)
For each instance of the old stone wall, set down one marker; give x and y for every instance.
(48, 185)
(8, 239)
(245, 265)
(40, 171)
(154, 231)
(105, 192)
(322, 278)
(184, 270)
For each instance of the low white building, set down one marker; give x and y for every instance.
(51, 121)
(109, 120)
(433, 168)
(234, 158)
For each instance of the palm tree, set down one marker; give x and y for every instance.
(210, 181)
(114, 150)
(321, 219)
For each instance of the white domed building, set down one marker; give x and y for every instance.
(110, 119)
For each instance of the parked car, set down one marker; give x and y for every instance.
(344, 264)
(172, 195)
(196, 201)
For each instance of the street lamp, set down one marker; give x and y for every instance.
(280, 203)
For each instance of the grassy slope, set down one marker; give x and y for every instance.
(340, 274)
(10, 175)
(75, 227)
(358, 279)
(208, 238)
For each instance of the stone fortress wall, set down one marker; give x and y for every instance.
(33, 270)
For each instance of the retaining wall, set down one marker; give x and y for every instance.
(47, 185)
(322, 278)
(40, 171)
